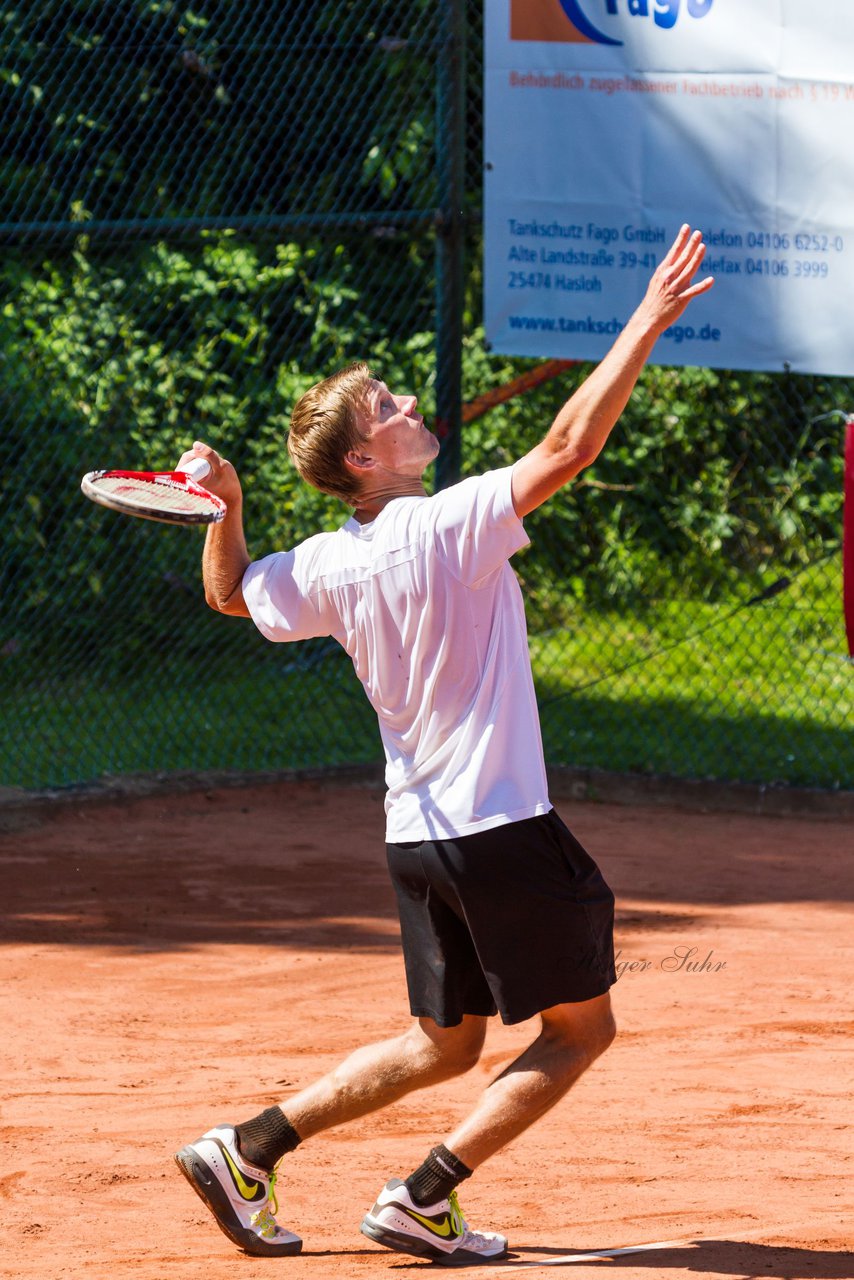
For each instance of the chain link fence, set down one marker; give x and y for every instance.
(203, 211)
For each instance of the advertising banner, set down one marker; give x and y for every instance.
(609, 123)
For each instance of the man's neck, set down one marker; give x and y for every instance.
(371, 504)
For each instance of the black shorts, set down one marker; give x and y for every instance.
(512, 920)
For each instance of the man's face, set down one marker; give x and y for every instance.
(397, 439)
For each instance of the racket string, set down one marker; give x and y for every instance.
(164, 494)
(154, 496)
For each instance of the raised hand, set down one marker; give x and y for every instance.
(672, 286)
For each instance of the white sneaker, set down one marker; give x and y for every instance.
(240, 1196)
(436, 1231)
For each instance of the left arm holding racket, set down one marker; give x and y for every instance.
(225, 557)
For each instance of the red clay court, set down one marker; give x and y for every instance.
(174, 961)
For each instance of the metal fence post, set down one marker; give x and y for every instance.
(450, 291)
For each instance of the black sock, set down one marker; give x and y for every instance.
(437, 1177)
(266, 1138)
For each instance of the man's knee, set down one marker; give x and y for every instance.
(586, 1029)
(454, 1050)
(606, 1034)
(594, 1038)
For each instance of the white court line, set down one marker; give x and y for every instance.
(593, 1254)
(598, 1253)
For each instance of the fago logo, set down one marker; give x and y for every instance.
(594, 21)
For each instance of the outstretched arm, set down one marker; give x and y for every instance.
(582, 426)
(225, 558)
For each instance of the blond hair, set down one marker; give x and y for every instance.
(325, 426)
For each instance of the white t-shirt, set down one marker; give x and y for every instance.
(425, 603)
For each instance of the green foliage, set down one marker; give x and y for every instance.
(126, 359)
(159, 110)
(712, 484)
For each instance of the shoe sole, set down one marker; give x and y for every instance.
(402, 1243)
(207, 1187)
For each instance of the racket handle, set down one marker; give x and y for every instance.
(197, 468)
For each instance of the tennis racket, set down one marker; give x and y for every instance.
(174, 497)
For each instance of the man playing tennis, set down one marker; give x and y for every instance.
(500, 908)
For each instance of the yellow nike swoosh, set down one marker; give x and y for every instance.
(246, 1189)
(439, 1229)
